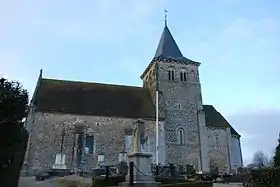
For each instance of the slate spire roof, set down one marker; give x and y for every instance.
(167, 46)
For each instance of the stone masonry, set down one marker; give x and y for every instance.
(179, 103)
(45, 138)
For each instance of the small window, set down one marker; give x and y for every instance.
(89, 144)
(181, 136)
(169, 74)
(183, 76)
(217, 140)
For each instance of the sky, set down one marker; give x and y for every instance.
(112, 41)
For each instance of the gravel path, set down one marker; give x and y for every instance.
(31, 182)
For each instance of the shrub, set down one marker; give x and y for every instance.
(269, 177)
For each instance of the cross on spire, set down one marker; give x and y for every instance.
(165, 17)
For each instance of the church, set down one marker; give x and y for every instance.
(90, 124)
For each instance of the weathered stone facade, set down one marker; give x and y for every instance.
(235, 152)
(180, 104)
(189, 132)
(218, 149)
(45, 138)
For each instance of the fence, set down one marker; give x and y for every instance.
(132, 169)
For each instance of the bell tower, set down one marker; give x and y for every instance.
(176, 78)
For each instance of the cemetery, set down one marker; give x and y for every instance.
(137, 170)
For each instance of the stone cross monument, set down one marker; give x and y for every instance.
(139, 138)
(142, 160)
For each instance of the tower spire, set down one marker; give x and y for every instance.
(165, 17)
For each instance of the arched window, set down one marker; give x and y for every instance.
(183, 76)
(217, 139)
(180, 136)
(90, 146)
(171, 74)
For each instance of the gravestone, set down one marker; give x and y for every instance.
(189, 169)
(59, 161)
(181, 169)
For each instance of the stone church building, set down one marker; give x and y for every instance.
(91, 123)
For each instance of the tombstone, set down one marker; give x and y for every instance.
(189, 169)
(122, 168)
(100, 160)
(181, 169)
(172, 170)
(142, 172)
(59, 161)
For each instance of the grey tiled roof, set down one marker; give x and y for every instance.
(167, 46)
(214, 118)
(168, 49)
(73, 97)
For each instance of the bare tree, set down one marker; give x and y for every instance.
(260, 160)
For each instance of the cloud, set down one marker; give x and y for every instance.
(259, 129)
(242, 27)
(95, 21)
(29, 26)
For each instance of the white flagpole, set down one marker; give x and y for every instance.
(157, 130)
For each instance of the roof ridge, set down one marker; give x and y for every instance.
(87, 82)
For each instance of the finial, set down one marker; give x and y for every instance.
(41, 72)
(165, 17)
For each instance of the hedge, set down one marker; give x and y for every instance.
(269, 177)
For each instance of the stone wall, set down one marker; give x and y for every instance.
(180, 101)
(45, 138)
(204, 144)
(218, 148)
(235, 153)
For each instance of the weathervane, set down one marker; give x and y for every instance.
(165, 17)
